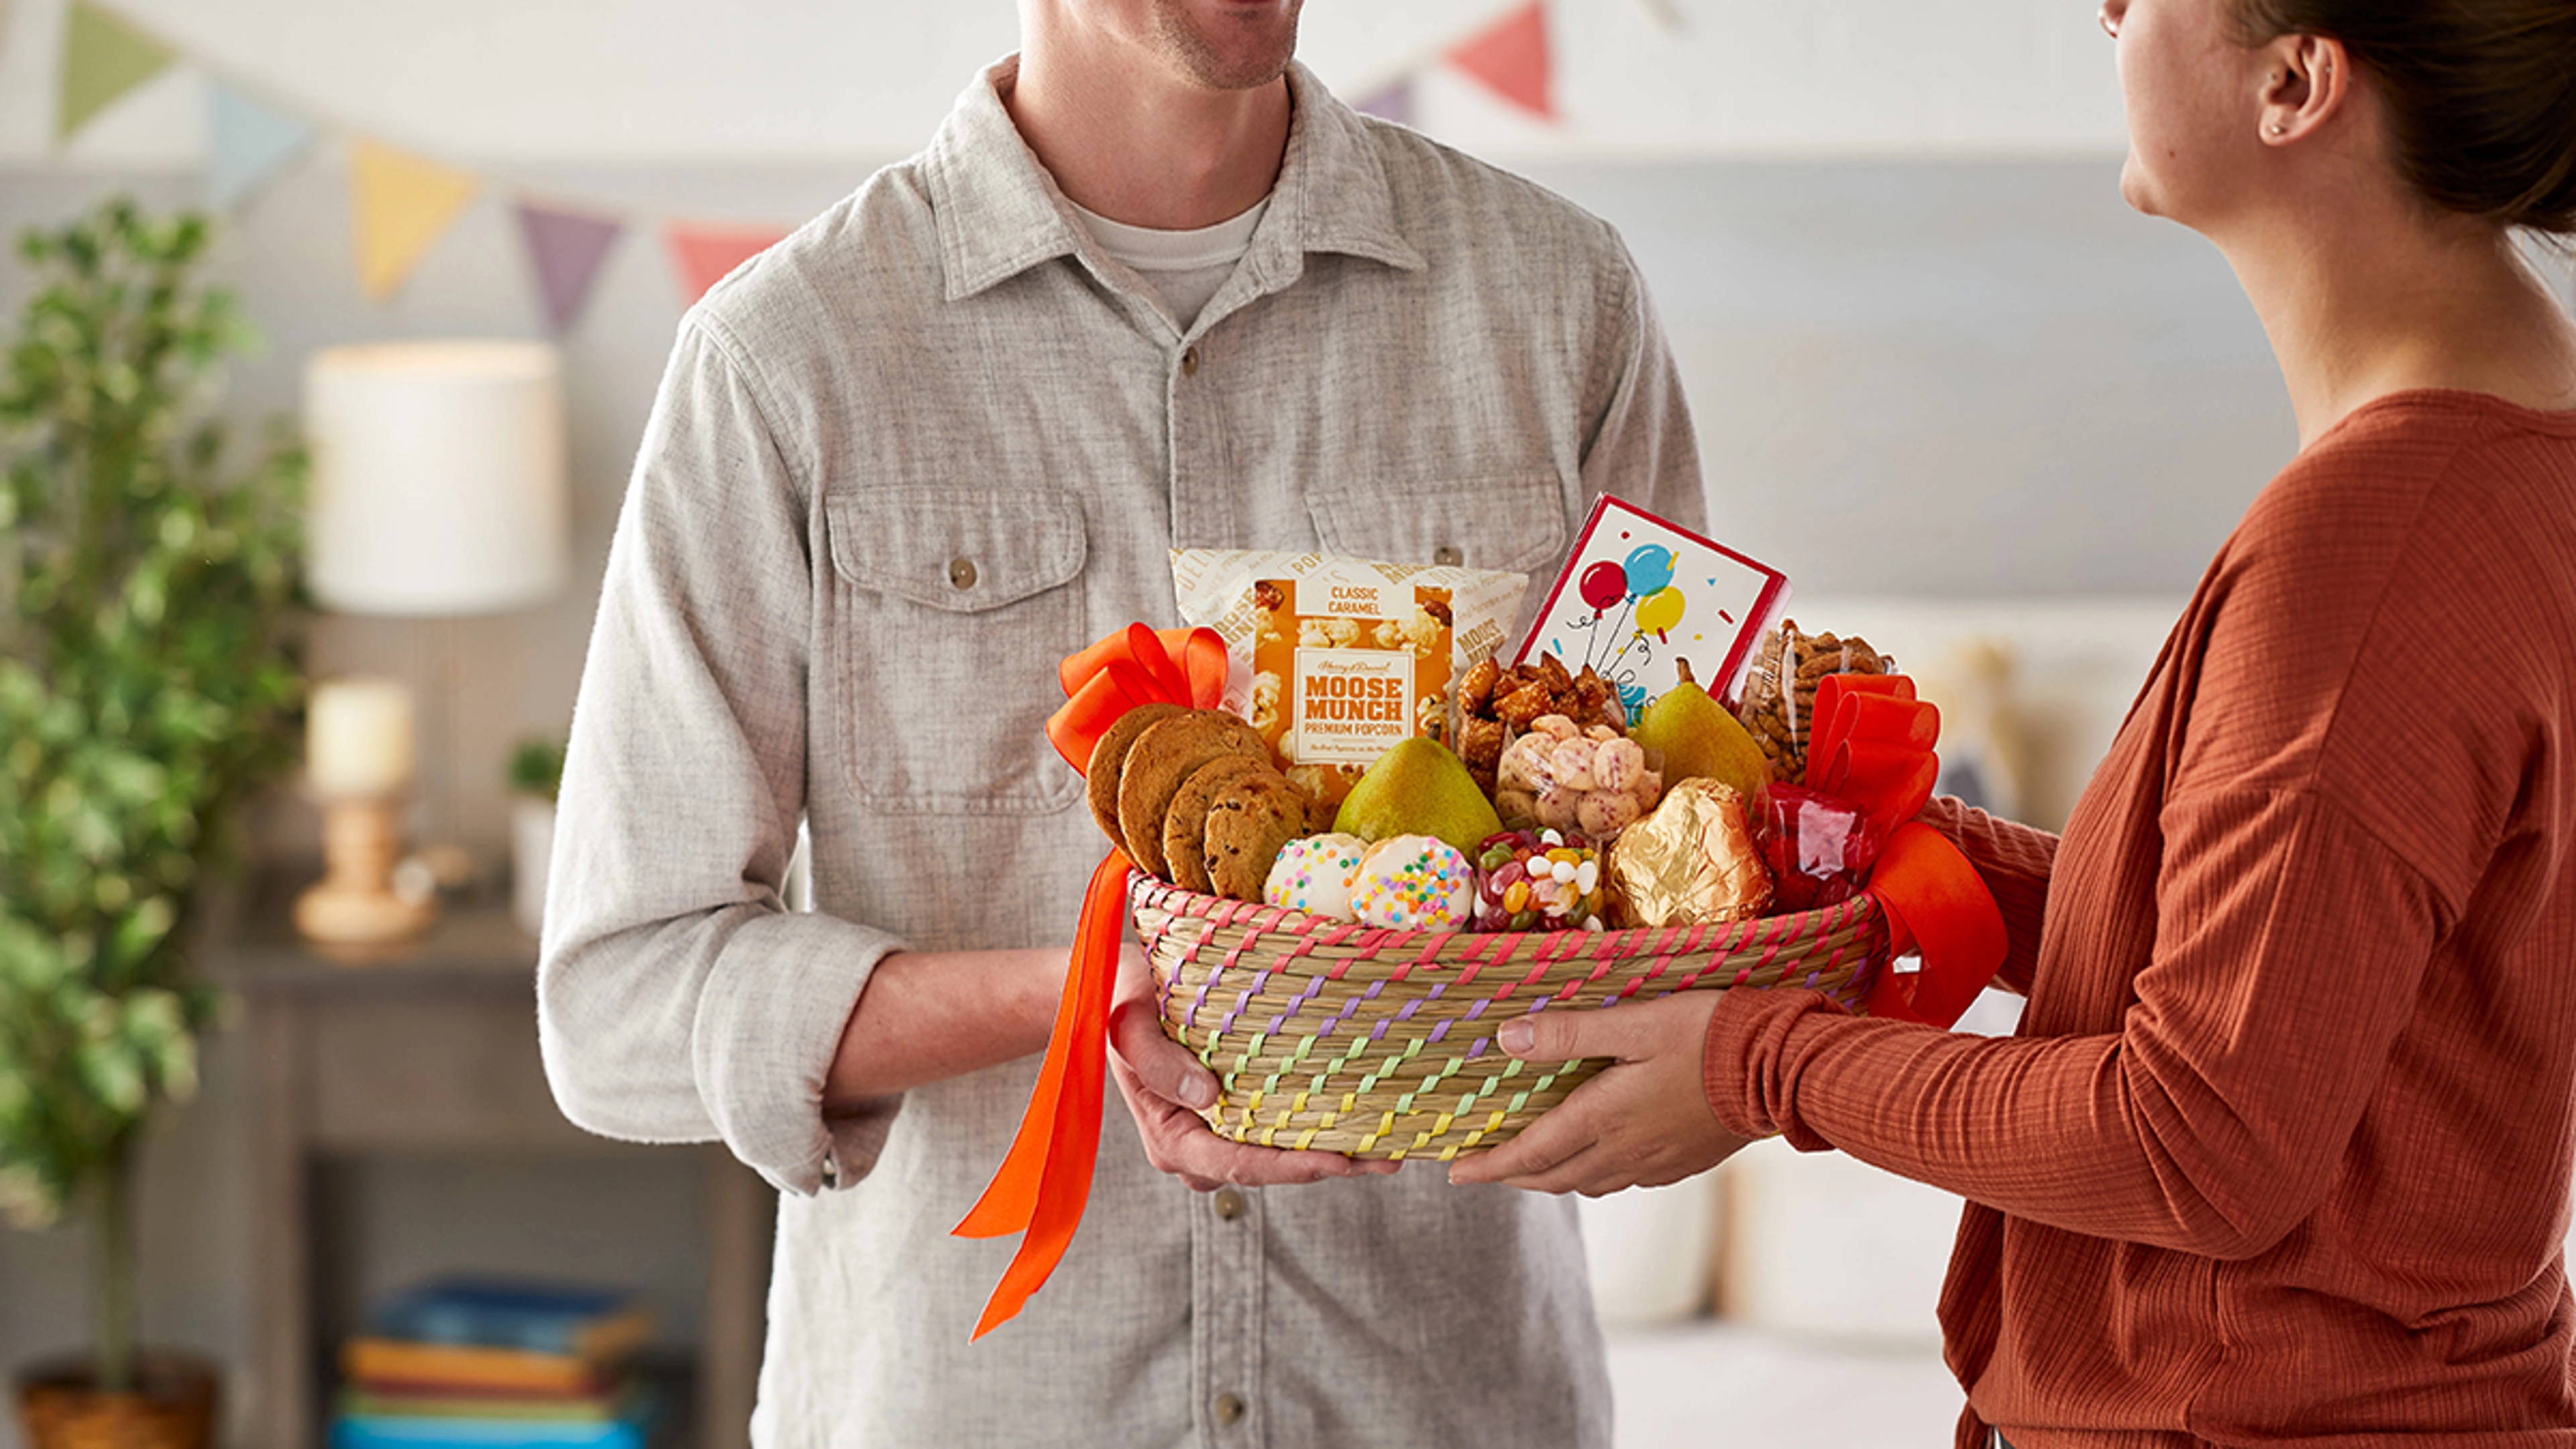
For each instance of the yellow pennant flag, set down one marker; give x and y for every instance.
(404, 203)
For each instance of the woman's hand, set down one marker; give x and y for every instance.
(1642, 1122)
(1165, 1086)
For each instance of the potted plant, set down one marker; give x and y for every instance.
(147, 687)
(536, 774)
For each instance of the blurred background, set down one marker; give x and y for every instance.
(1978, 411)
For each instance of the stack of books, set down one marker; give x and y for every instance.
(485, 1364)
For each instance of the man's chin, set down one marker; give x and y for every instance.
(1227, 73)
(1238, 52)
(2137, 191)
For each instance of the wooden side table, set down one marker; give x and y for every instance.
(433, 1047)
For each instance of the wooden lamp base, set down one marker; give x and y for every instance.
(355, 903)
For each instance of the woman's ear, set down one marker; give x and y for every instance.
(2305, 82)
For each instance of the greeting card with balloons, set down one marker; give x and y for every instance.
(1638, 592)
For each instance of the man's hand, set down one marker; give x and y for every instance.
(1643, 1122)
(1165, 1086)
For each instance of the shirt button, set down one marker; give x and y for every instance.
(1229, 1408)
(1447, 557)
(1190, 363)
(1229, 1204)
(961, 572)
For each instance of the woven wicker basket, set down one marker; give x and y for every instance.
(1379, 1043)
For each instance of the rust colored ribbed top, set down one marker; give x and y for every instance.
(2281, 1151)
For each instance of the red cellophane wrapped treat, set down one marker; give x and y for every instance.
(1820, 849)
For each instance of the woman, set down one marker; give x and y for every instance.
(2282, 1150)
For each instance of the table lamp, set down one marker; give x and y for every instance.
(358, 750)
(438, 492)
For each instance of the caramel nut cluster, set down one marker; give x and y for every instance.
(1496, 703)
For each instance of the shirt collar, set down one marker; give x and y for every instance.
(999, 212)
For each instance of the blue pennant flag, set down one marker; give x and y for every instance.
(249, 143)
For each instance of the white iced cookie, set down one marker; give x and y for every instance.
(1414, 882)
(1315, 874)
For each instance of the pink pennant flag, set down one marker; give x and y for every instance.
(1510, 57)
(705, 252)
(565, 247)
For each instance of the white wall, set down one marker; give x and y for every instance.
(500, 81)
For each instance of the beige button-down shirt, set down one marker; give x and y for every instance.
(900, 465)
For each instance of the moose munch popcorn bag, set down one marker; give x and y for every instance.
(1340, 658)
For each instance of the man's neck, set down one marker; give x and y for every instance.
(1139, 146)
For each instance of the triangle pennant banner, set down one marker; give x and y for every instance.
(566, 248)
(1391, 102)
(247, 142)
(103, 58)
(1511, 58)
(705, 252)
(404, 204)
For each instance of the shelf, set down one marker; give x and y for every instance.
(431, 1047)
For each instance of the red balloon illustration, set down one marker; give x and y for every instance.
(1604, 584)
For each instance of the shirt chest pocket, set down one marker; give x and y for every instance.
(1512, 523)
(954, 605)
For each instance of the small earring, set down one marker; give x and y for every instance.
(2279, 129)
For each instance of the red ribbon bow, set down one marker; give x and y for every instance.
(1871, 744)
(1045, 1181)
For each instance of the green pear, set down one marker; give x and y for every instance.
(1419, 788)
(1698, 738)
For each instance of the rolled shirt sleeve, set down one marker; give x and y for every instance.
(678, 999)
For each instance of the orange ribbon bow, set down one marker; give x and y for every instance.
(1045, 1181)
(1871, 744)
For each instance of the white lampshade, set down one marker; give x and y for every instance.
(438, 476)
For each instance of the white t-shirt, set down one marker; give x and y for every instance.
(1185, 268)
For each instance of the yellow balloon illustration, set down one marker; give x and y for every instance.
(1660, 611)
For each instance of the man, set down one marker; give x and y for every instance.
(1149, 287)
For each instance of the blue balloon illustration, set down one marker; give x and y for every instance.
(1650, 569)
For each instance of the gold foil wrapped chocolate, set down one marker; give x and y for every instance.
(1692, 861)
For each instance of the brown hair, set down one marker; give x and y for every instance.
(2481, 94)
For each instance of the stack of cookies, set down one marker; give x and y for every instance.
(1191, 796)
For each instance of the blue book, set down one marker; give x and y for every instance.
(631, 1430)
(362, 1432)
(596, 1324)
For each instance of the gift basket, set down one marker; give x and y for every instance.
(1354, 841)
(1379, 1043)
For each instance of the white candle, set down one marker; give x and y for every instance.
(358, 737)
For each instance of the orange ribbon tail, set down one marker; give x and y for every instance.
(1935, 904)
(1044, 1183)
(1045, 1180)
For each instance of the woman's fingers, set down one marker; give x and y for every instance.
(1623, 1033)
(1544, 1145)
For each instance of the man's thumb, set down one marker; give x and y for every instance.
(1163, 1066)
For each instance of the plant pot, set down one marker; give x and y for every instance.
(532, 839)
(171, 1407)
